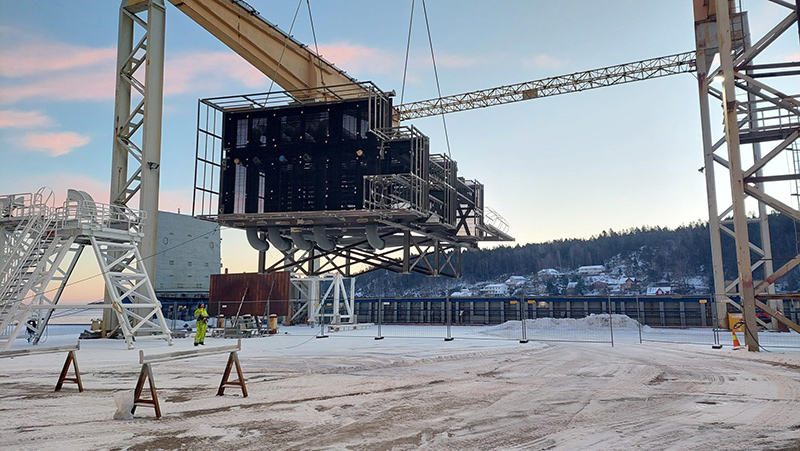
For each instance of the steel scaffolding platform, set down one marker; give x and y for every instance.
(39, 248)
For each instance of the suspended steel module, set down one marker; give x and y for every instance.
(323, 176)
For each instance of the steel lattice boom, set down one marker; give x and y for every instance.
(562, 84)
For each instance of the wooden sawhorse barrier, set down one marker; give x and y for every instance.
(53, 349)
(146, 375)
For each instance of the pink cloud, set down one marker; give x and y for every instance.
(202, 71)
(23, 119)
(58, 182)
(544, 61)
(175, 200)
(357, 59)
(56, 144)
(93, 83)
(170, 200)
(38, 57)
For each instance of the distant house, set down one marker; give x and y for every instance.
(599, 285)
(659, 291)
(572, 288)
(495, 289)
(592, 270)
(626, 283)
(516, 281)
(463, 293)
(548, 272)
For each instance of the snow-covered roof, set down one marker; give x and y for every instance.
(495, 285)
(654, 291)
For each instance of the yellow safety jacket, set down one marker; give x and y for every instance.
(200, 313)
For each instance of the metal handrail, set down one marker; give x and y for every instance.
(493, 219)
(100, 215)
(394, 192)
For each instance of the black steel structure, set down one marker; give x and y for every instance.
(325, 178)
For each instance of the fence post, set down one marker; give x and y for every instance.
(449, 320)
(639, 318)
(522, 318)
(714, 319)
(321, 333)
(380, 319)
(610, 321)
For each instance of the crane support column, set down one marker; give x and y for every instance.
(736, 176)
(136, 157)
(704, 57)
(763, 117)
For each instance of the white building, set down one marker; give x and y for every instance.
(187, 255)
(516, 281)
(572, 288)
(592, 270)
(548, 272)
(495, 289)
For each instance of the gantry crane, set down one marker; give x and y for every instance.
(292, 65)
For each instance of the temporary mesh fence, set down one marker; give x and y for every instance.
(642, 319)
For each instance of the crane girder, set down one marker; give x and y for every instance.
(291, 64)
(562, 84)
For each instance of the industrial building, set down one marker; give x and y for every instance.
(188, 254)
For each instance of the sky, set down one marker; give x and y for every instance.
(568, 166)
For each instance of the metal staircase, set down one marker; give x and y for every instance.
(28, 238)
(40, 248)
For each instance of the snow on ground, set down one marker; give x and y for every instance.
(350, 391)
(591, 322)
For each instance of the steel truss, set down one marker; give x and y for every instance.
(579, 81)
(41, 246)
(405, 252)
(126, 280)
(47, 290)
(136, 155)
(337, 296)
(754, 114)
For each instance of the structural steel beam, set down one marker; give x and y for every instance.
(761, 114)
(579, 81)
(736, 175)
(270, 50)
(136, 155)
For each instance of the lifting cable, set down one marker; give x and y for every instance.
(408, 48)
(283, 51)
(316, 48)
(436, 74)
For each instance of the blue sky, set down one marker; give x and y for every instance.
(568, 166)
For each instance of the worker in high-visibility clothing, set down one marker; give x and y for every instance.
(201, 315)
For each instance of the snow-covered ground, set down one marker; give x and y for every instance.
(350, 391)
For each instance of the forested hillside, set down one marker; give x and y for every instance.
(648, 254)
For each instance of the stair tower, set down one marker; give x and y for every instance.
(40, 246)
